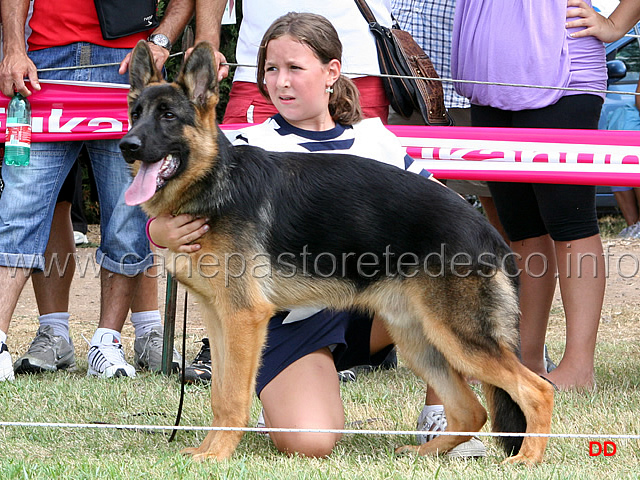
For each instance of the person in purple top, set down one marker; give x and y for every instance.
(553, 229)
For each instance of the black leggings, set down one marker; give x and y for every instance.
(529, 210)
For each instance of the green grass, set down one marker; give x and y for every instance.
(610, 225)
(387, 400)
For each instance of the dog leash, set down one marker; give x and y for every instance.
(182, 373)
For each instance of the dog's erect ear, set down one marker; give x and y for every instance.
(198, 77)
(142, 69)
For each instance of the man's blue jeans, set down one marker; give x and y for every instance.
(30, 194)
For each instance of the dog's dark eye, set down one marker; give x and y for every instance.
(168, 115)
(135, 116)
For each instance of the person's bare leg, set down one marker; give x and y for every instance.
(146, 298)
(628, 201)
(52, 290)
(636, 190)
(379, 337)
(12, 282)
(537, 263)
(116, 294)
(581, 271)
(305, 395)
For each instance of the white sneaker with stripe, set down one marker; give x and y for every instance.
(107, 360)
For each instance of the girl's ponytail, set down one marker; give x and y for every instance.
(344, 102)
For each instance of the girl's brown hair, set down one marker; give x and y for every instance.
(321, 37)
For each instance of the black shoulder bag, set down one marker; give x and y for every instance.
(399, 54)
(119, 18)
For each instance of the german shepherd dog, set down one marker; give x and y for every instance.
(334, 230)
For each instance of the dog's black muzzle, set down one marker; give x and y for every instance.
(130, 146)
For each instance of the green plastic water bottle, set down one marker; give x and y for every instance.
(17, 146)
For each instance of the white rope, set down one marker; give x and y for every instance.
(337, 431)
(311, 430)
(475, 82)
(384, 75)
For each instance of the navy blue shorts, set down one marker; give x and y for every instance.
(349, 332)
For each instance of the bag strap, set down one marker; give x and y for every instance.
(366, 11)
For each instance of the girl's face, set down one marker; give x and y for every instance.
(296, 81)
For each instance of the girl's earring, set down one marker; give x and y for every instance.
(329, 89)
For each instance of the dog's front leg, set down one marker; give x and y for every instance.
(236, 346)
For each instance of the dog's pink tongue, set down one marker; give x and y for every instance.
(144, 184)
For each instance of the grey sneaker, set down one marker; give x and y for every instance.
(148, 352)
(6, 367)
(107, 359)
(436, 421)
(47, 353)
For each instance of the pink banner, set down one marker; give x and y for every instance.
(73, 111)
(83, 111)
(579, 157)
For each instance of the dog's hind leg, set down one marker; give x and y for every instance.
(473, 322)
(463, 410)
(506, 383)
(236, 342)
(518, 398)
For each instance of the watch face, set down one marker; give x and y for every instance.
(160, 40)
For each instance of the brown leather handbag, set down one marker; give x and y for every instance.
(400, 56)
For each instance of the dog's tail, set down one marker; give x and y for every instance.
(506, 417)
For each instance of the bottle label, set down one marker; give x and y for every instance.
(18, 135)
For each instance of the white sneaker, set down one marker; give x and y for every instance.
(107, 359)
(632, 231)
(430, 420)
(80, 238)
(260, 423)
(6, 364)
(473, 448)
(434, 420)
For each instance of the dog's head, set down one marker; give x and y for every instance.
(172, 141)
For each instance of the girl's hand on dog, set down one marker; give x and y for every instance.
(178, 232)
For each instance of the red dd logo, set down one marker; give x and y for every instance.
(608, 449)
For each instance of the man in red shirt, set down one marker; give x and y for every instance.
(66, 33)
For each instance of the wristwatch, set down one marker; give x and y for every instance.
(160, 40)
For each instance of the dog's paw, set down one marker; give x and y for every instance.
(520, 460)
(199, 455)
(212, 451)
(407, 450)
(189, 451)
